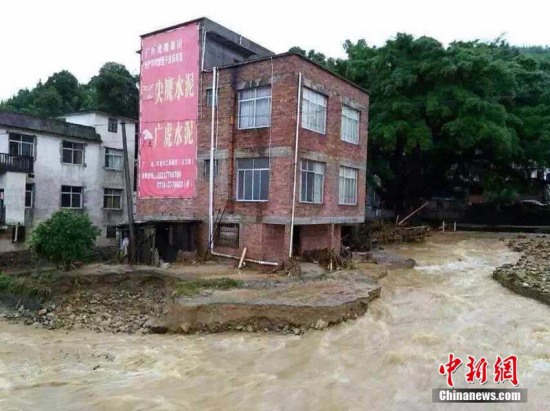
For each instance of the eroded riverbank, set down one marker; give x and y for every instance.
(124, 299)
(530, 276)
(387, 359)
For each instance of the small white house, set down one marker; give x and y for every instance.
(72, 163)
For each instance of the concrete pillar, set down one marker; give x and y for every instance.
(288, 241)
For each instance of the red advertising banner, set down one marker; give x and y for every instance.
(168, 113)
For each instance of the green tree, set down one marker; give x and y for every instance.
(46, 102)
(116, 90)
(64, 238)
(336, 65)
(439, 113)
(113, 90)
(69, 90)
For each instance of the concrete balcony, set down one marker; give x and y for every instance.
(19, 164)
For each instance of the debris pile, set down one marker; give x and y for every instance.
(116, 311)
(369, 236)
(530, 276)
(391, 233)
(290, 267)
(328, 259)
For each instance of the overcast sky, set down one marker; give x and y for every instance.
(39, 37)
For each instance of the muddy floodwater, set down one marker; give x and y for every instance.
(387, 359)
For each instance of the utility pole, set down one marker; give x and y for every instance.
(129, 196)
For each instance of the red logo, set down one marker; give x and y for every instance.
(449, 368)
(503, 369)
(506, 369)
(476, 370)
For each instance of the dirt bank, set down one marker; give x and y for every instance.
(530, 276)
(113, 301)
(119, 299)
(286, 306)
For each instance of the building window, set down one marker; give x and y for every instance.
(29, 195)
(111, 231)
(209, 97)
(206, 168)
(112, 198)
(252, 179)
(71, 197)
(73, 153)
(255, 107)
(348, 186)
(314, 111)
(21, 145)
(227, 235)
(113, 158)
(312, 182)
(350, 125)
(113, 125)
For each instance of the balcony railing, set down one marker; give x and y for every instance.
(3, 215)
(21, 164)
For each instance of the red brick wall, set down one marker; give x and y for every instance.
(233, 143)
(319, 236)
(274, 245)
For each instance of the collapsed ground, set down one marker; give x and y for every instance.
(212, 297)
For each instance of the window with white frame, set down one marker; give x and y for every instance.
(21, 145)
(350, 125)
(113, 125)
(348, 186)
(314, 111)
(73, 153)
(312, 181)
(113, 158)
(112, 198)
(71, 197)
(252, 179)
(29, 195)
(255, 107)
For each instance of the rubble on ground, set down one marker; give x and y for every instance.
(116, 299)
(116, 311)
(530, 276)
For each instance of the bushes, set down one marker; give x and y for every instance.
(23, 286)
(64, 238)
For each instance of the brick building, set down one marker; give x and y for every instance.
(257, 130)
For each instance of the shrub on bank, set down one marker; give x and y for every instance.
(64, 238)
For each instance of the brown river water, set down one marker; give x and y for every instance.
(387, 359)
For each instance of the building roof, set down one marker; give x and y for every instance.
(48, 126)
(222, 34)
(104, 113)
(262, 53)
(200, 19)
(287, 54)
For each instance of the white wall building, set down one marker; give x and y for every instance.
(73, 163)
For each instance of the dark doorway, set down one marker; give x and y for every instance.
(2, 209)
(173, 238)
(297, 240)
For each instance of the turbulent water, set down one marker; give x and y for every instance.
(386, 360)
